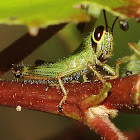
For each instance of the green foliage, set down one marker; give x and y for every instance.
(41, 13)
(134, 60)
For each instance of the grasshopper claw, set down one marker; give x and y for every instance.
(60, 109)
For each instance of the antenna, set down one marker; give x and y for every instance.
(113, 24)
(105, 19)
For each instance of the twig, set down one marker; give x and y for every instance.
(121, 97)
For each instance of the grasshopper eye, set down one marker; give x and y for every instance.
(98, 33)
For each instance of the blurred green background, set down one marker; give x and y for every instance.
(33, 125)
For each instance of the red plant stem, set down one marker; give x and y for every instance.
(33, 96)
(103, 126)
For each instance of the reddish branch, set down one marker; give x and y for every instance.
(33, 96)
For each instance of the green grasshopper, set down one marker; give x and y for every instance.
(96, 49)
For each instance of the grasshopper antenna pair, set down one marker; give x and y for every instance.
(107, 23)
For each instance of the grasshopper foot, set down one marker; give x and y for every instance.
(60, 109)
(47, 87)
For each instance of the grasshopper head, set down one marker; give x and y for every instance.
(103, 39)
(17, 70)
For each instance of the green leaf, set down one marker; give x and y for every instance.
(134, 63)
(41, 13)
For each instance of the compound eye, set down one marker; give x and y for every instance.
(98, 32)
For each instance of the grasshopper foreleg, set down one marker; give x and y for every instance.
(115, 73)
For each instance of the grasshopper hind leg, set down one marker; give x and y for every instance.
(60, 75)
(63, 90)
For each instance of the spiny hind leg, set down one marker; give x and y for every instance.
(99, 98)
(63, 90)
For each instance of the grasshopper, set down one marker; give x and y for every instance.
(96, 49)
